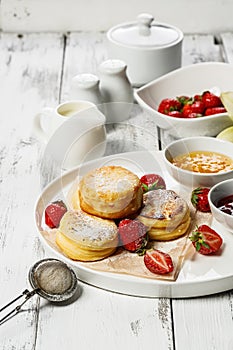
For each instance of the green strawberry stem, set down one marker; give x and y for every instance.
(142, 250)
(152, 186)
(196, 237)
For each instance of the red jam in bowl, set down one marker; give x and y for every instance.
(225, 204)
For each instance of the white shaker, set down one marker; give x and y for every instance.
(116, 90)
(86, 87)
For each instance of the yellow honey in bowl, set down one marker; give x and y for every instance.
(203, 162)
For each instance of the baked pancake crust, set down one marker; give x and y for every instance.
(165, 213)
(87, 238)
(110, 192)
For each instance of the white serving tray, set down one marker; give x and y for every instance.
(200, 275)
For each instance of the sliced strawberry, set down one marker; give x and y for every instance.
(199, 199)
(158, 262)
(54, 212)
(133, 235)
(206, 240)
(215, 110)
(152, 182)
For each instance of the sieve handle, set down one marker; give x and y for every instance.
(26, 294)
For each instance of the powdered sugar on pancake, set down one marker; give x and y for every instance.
(111, 179)
(87, 229)
(163, 204)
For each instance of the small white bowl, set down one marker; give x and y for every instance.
(190, 144)
(189, 80)
(217, 192)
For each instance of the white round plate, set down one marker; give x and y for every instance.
(200, 275)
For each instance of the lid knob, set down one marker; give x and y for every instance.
(144, 23)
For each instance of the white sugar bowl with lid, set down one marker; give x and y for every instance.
(150, 49)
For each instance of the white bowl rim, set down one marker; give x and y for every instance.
(188, 172)
(170, 74)
(184, 68)
(212, 203)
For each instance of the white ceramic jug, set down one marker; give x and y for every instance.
(86, 87)
(116, 90)
(75, 132)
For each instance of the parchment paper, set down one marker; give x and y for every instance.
(124, 262)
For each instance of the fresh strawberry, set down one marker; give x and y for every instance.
(169, 104)
(214, 110)
(210, 100)
(193, 107)
(152, 182)
(206, 240)
(175, 114)
(54, 212)
(194, 115)
(133, 235)
(158, 262)
(199, 199)
(184, 99)
(197, 97)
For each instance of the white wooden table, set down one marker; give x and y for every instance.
(35, 71)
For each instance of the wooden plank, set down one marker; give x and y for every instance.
(84, 53)
(105, 320)
(204, 323)
(227, 46)
(30, 67)
(200, 48)
(116, 321)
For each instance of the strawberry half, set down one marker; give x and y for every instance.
(199, 199)
(152, 182)
(54, 212)
(206, 240)
(133, 235)
(158, 262)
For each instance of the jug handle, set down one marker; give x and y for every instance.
(37, 129)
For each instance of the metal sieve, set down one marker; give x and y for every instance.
(51, 279)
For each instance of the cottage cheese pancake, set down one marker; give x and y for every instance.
(165, 213)
(110, 192)
(85, 237)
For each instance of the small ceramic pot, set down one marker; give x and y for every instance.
(150, 49)
(116, 90)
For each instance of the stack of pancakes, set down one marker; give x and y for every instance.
(110, 193)
(87, 238)
(166, 215)
(89, 232)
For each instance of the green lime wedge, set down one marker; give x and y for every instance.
(227, 100)
(226, 134)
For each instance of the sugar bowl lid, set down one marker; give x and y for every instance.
(145, 33)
